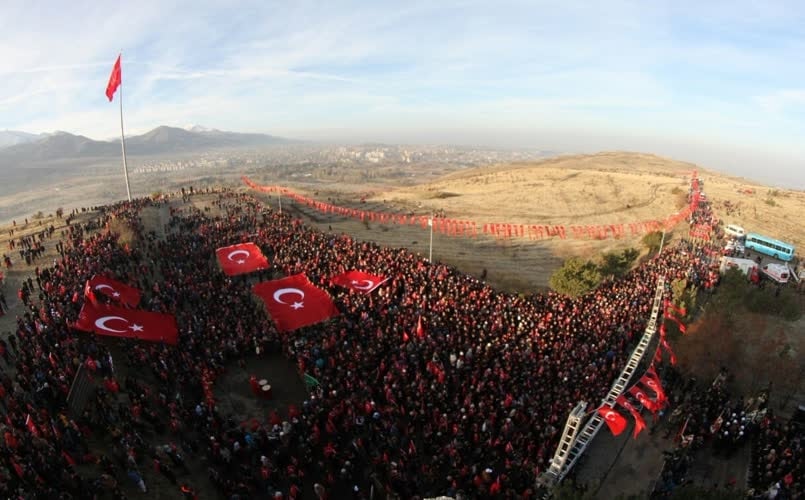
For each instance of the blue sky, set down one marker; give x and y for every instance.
(720, 83)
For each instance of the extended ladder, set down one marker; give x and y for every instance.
(574, 442)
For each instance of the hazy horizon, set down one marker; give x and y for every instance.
(719, 84)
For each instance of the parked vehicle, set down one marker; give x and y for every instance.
(769, 246)
(735, 231)
(777, 272)
(744, 265)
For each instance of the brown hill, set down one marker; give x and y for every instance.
(604, 188)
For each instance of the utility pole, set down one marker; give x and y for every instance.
(430, 249)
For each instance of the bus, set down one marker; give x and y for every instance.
(769, 246)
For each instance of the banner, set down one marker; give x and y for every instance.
(502, 230)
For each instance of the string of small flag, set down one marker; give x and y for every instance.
(467, 228)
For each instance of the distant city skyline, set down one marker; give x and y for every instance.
(717, 83)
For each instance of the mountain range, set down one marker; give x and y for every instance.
(21, 148)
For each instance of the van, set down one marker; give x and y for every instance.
(734, 231)
(777, 272)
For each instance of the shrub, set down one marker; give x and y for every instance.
(575, 277)
(618, 264)
(652, 241)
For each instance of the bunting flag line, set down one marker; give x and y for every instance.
(641, 396)
(639, 423)
(498, 230)
(681, 311)
(681, 326)
(664, 343)
(614, 420)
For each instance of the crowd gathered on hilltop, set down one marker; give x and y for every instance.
(473, 406)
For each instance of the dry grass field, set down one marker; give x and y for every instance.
(605, 188)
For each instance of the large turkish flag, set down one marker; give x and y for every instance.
(294, 302)
(115, 290)
(128, 323)
(241, 259)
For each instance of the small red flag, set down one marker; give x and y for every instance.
(420, 332)
(241, 259)
(114, 80)
(29, 423)
(614, 420)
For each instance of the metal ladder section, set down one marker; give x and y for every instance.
(573, 443)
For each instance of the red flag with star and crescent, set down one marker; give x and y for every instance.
(639, 423)
(241, 259)
(641, 396)
(359, 281)
(614, 420)
(294, 302)
(113, 289)
(127, 323)
(651, 381)
(115, 79)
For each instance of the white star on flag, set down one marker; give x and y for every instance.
(136, 328)
(298, 305)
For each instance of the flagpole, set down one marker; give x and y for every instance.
(430, 248)
(123, 142)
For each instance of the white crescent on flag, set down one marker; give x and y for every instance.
(102, 286)
(285, 291)
(369, 284)
(608, 414)
(101, 323)
(238, 252)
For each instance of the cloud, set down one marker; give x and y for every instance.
(718, 71)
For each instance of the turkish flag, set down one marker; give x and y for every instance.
(614, 420)
(241, 259)
(294, 302)
(359, 281)
(115, 290)
(115, 79)
(641, 396)
(639, 423)
(420, 331)
(653, 383)
(128, 323)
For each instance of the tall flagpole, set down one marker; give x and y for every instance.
(123, 137)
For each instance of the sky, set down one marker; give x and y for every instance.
(720, 83)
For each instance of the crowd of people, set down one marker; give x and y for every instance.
(475, 404)
(779, 460)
